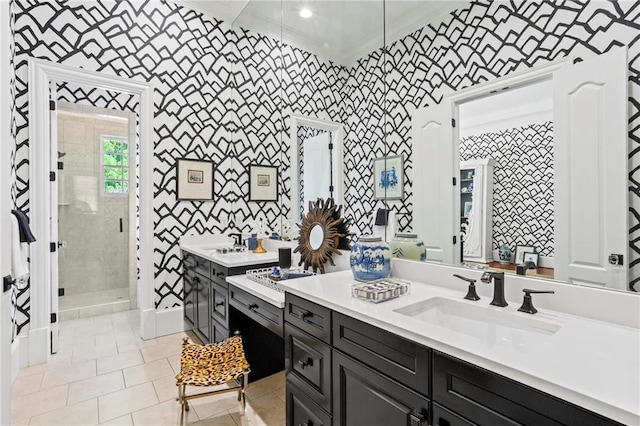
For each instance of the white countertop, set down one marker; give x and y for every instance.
(229, 260)
(593, 364)
(269, 295)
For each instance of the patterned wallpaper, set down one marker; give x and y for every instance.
(201, 80)
(522, 184)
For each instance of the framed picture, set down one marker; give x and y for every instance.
(468, 206)
(195, 179)
(263, 183)
(530, 257)
(520, 252)
(388, 178)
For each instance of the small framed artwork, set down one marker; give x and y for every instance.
(263, 183)
(195, 179)
(468, 206)
(388, 178)
(530, 257)
(520, 252)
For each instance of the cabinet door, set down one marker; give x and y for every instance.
(189, 299)
(362, 396)
(203, 318)
(219, 304)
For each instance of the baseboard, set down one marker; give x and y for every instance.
(169, 321)
(39, 345)
(155, 323)
(15, 358)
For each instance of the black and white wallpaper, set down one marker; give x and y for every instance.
(220, 94)
(522, 184)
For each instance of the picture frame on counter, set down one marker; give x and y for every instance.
(263, 182)
(520, 252)
(388, 178)
(531, 257)
(194, 179)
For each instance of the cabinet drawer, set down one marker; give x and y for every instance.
(395, 356)
(219, 304)
(444, 417)
(201, 266)
(303, 411)
(488, 398)
(363, 396)
(219, 274)
(309, 317)
(257, 309)
(189, 302)
(218, 331)
(308, 365)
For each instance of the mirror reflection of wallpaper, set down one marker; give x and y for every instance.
(522, 184)
(304, 133)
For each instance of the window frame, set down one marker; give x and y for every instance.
(103, 166)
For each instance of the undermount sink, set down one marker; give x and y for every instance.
(486, 323)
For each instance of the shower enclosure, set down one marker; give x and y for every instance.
(96, 255)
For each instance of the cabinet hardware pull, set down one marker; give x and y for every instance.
(307, 423)
(306, 363)
(252, 306)
(220, 274)
(306, 314)
(220, 304)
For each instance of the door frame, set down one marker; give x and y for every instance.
(337, 139)
(41, 74)
(510, 81)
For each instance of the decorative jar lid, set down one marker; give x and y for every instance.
(369, 238)
(406, 235)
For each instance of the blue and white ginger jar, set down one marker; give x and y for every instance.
(370, 259)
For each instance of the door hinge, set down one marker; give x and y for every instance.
(54, 317)
(61, 291)
(453, 122)
(53, 247)
(330, 146)
(455, 240)
(331, 188)
(52, 105)
(52, 176)
(455, 181)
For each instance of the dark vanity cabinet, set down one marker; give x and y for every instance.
(341, 371)
(206, 296)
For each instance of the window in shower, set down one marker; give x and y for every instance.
(115, 165)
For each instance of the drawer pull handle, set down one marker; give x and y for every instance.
(253, 307)
(307, 423)
(306, 314)
(220, 304)
(306, 363)
(220, 274)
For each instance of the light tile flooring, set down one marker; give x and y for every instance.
(105, 374)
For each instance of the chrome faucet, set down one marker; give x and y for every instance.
(498, 287)
(522, 268)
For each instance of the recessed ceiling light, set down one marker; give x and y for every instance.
(305, 13)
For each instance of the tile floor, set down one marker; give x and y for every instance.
(105, 374)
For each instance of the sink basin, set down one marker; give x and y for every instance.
(486, 323)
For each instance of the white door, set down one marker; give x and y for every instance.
(591, 206)
(53, 220)
(434, 168)
(317, 168)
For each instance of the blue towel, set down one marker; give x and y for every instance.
(26, 236)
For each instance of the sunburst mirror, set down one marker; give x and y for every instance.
(322, 233)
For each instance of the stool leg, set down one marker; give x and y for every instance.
(186, 403)
(245, 380)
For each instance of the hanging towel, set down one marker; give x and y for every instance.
(19, 252)
(26, 236)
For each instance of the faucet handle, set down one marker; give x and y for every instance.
(527, 303)
(471, 292)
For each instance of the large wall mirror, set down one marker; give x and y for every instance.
(369, 65)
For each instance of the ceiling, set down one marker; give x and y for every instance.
(341, 31)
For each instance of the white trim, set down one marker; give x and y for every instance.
(170, 321)
(41, 74)
(337, 138)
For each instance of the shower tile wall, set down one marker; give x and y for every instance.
(96, 256)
